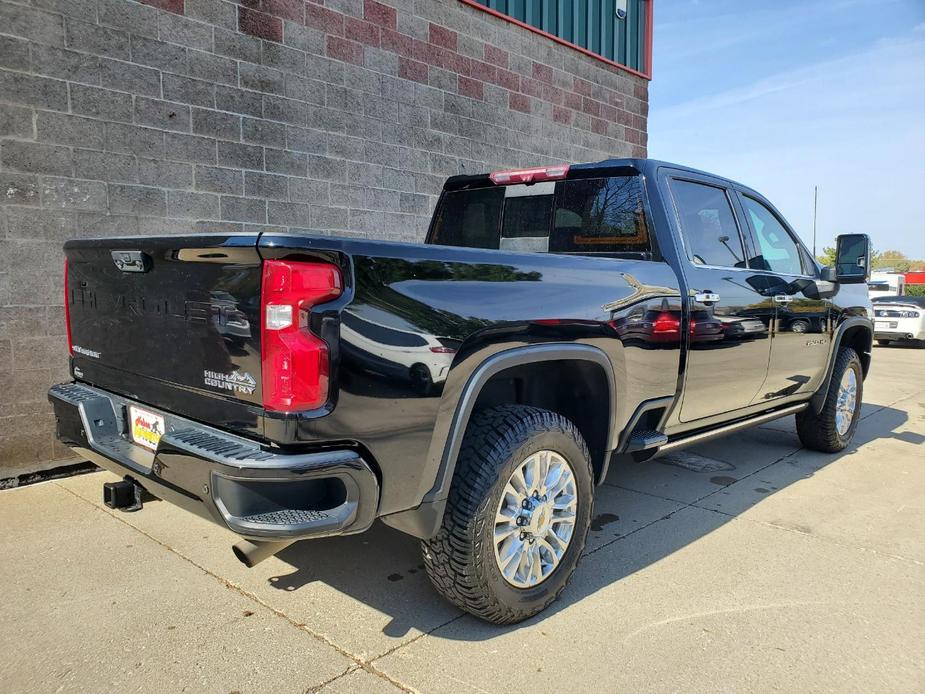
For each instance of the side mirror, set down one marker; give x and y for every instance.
(852, 259)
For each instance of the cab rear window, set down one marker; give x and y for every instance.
(588, 216)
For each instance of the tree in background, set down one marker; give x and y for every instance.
(827, 257)
(887, 260)
(896, 260)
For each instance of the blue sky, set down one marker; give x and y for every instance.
(782, 95)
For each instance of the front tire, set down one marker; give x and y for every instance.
(517, 516)
(831, 430)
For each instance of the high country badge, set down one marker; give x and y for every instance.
(235, 382)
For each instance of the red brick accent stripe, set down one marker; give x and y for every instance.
(175, 6)
(412, 70)
(260, 24)
(581, 104)
(441, 36)
(380, 14)
(471, 88)
(345, 50)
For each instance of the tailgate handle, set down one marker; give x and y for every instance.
(131, 261)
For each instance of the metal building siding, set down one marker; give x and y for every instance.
(591, 24)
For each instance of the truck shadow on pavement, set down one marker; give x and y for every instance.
(644, 512)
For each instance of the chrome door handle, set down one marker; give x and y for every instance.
(783, 299)
(706, 298)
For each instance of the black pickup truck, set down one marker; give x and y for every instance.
(470, 391)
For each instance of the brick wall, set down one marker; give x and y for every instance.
(341, 116)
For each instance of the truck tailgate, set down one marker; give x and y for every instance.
(170, 320)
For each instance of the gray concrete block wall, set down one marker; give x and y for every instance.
(341, 116)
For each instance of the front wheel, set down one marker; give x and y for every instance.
(517, 516)
(831, 430)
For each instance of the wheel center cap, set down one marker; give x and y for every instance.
(539, 518)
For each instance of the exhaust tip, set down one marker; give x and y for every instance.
(242, 556)
(250, 553)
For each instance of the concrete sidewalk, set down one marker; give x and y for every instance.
(744, 564)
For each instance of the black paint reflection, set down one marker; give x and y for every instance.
(228, 319)
(735, 300)
(659, 324)
(376, 342)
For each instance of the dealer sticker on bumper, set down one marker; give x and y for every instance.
(147, 427)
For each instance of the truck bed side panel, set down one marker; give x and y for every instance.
(420, 319)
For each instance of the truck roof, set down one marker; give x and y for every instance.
(647, 167)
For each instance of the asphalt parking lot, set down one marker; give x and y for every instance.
(743, 564)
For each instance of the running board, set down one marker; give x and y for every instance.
(705, 436)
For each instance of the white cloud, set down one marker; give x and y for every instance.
(855, 126)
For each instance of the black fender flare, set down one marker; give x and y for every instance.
(817, 402)
(424, 520)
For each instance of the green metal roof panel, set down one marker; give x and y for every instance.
(591, 24)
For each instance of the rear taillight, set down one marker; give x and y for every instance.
(666, 323)
(295, 361)
(67, 312)
(538, 175)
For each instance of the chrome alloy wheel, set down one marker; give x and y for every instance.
(846, 402)
(535, 520)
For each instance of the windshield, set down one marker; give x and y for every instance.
(589, 216)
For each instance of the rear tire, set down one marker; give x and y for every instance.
(466, 561)
(831, 430)
(883, 343)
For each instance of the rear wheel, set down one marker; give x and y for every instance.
(883, 343)
(831, 430)
(517, 515)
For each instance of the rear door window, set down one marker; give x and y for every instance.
(708, 224)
